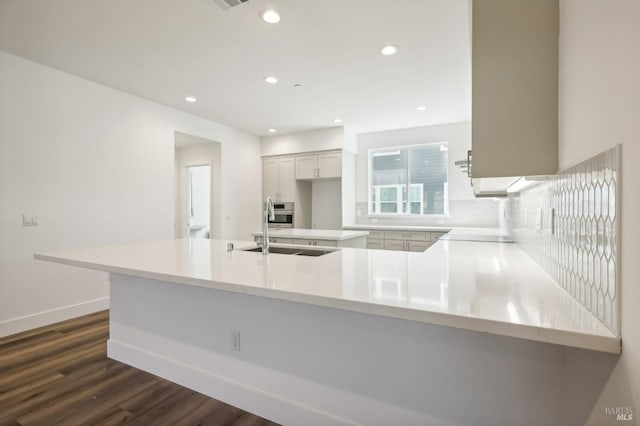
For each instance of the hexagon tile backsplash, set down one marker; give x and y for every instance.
(569, 225)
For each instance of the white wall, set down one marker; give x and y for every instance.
(312, 140)
(193, 155)
(96, 166)
(326, 204)
(600, 107)
(349, 170)
(458, 135)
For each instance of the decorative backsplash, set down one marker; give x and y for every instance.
(569, 226)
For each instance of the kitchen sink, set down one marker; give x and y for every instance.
(290, 250)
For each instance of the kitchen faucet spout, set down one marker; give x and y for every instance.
(268, 214)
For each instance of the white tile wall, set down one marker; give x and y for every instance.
(579, 247)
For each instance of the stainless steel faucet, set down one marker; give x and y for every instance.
(268, 214)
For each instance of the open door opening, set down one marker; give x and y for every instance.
(198, 206)
(197, 187)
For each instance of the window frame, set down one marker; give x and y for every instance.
(370, 153)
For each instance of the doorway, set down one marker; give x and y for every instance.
(198, 201)
(198, 209)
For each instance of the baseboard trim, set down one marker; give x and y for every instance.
(240, 395)
(39, 319)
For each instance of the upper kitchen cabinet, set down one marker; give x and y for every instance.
(279, 178)
(320, 165)
(515, 87)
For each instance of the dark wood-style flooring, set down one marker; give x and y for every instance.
(60, 375)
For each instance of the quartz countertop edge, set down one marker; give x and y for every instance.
(575, 338)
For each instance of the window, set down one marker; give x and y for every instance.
(409, 180)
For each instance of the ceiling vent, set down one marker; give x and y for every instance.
(228, 4)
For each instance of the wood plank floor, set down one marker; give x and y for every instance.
(60, 375)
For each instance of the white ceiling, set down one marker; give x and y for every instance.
(164, 50)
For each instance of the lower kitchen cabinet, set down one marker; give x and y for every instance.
(279, 240)
(418, 245)
(375, 243)
(327, 243)
(407, 241)
(416, 241)
(406, 245)
(394, 245)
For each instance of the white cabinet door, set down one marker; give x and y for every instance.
(329, 165)
(270, 177)
(306, 166)
(287, 179)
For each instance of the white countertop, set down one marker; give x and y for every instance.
(400, 228)
(487, 287)
(313, 234)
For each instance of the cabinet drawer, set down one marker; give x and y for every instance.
(307, 242)
(418, 245)
(375, 244)
(327, 243)
(393, 245)
(375, 235)
(407, 236)
(279, 240)
(436, 235)
(302, 241)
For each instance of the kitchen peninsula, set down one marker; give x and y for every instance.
(309, 340)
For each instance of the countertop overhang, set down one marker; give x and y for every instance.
(485, 287)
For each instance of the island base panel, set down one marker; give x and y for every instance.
(305, 364)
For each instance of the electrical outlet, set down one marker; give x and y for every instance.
(235, 340)
(29, 220)
(358, 212)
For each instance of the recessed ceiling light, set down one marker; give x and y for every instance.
(270, 16)
(271, 79)
(272, 130)
(337, 120)
(389, 49)
(190, 99)
(421, 108)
